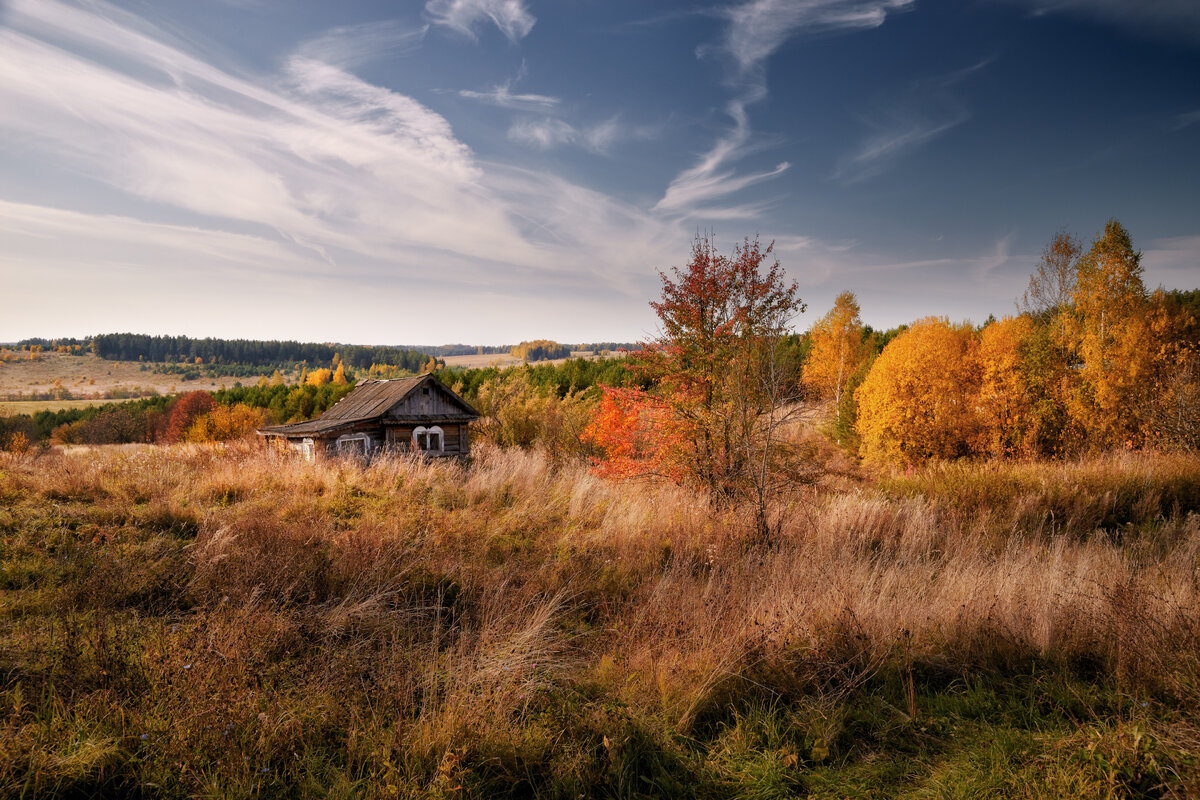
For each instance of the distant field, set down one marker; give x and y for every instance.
(13, 407)
(504, 360)
(91, 375)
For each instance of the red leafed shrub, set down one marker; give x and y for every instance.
(184, 411)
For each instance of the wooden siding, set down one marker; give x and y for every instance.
(454, 438)
(427, 400)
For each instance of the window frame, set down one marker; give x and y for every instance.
(421, 431)
(347, 441)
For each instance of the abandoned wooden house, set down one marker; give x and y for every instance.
(417, 414)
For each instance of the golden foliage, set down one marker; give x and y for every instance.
(837, 350)
(319, 377)
(1004, 405)
(917, 402)
(224, 423)
(540, 350)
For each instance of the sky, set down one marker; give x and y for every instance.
(491, 171)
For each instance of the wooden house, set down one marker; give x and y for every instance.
(401, 416)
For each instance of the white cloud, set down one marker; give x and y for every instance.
(544, 134)
(547, 133)
(927, 110)
(350, 46)
(503, 97)
(756, 29)
(510, 16)
(368, 191)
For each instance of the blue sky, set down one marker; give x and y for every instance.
(488, 171)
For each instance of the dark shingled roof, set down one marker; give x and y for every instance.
(372, 398)
(368, 400)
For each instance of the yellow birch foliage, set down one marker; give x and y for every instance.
(917, 402)
(837, 349)
(319, 377)
(1116, 343)
(224, 423)
(1005, 405)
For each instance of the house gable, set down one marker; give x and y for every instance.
(430, 400)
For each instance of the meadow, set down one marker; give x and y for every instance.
(219, 621)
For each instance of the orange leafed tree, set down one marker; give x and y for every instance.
(1005, 404)
(1115, 341)
(716, 387)
(917, 402)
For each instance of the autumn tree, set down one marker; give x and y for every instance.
(540, 350)
(224, 423)
(719, 388)
(318, 377)
(1114, 339)
(1051, 289)
(837, 351)
(1169, 410)
(183, 411)
(917, 402)
(1016, 401)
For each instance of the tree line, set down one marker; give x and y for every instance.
(1092, 361)
(134, 347)
(540, 350)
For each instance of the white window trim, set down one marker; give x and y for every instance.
(441, 438)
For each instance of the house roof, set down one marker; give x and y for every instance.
(368, 400)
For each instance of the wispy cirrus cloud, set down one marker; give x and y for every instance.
(758, 28)
(465, 16)
(503, 96)
(1175, 19)
(544, 134)
(754, 31)
(366, 190)
(926, 110)
(547, 133)
(1186, 120)
(351, 46)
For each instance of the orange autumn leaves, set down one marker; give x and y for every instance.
(714, 380)
(1110, 366)
(1095, 362)
(941, 391)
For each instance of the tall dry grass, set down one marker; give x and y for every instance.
(411, 627)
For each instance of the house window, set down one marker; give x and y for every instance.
(354, 444)
(428, 439)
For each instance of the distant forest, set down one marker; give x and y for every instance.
(255, 352)
(135, 347)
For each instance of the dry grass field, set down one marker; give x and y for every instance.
(13, 407)
(91, 376)
(505, 360)
(216, 621)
